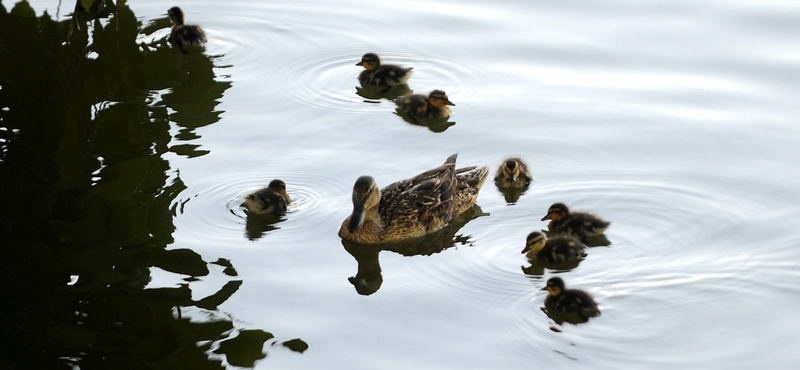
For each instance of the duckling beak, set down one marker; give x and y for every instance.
(513, 178)
(527, 248)
(546, 217)
(356, 219)
(448, 102)
(361, 63)
(545, 288)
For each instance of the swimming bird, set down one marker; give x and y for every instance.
(435, 105)
(558, 249)
(513, 173)
(272, 199)
(412, 207)
(561, 299)
(579, 224)
(184, 35)
(378, 74)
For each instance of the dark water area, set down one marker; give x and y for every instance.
(124, 164)
(88, 200)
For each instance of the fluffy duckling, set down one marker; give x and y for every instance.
(378, 74)
(272, 199)
(580, 224)
(435, 105)
(513, 173)
(184, 34)
(560, 299)
(558, 249)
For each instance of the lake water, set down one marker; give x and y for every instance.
(676, 120)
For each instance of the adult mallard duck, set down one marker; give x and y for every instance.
(434, 105)
(272, 199)
(513, 173)
(184, 35)
(558, 249)
(560, 299)
(378, 74)
(579, 224)
(412, 207)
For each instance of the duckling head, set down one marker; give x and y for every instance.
(176, 15)
(438, 98)
(366, 197)
(370, 61)
(554, 286)
(511, 169)
(556, 212)
(278, 186)
(535, 242)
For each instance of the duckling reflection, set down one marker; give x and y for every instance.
(412, 207)
(570, 305)
(433, 124)
(257, 226)
(374, 93)
(377, 74)
(578, 224)
(182, 35)
(368, 278)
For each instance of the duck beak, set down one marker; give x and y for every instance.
(448, 102)
(513, 178)
(545, 288)
(546, 217)
(356, 219)
(527, 248)
(361, 63)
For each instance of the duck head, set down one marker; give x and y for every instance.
(366, 197)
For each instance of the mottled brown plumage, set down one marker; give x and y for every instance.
(184, 35)
(558, 249)
(434, 105)
(513, 173)
(560, 299)
(578, 224)
(377, 74)
(272, 199)
(412, 207)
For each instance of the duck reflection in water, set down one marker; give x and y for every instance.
(568, 305)
(368, 278)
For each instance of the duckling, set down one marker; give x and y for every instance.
(420, 205)
(272, 199)
(184, 34)
(513, 173)
(561, 299)
(580, 224)
(435, 105)
(378, 74)
(559, 249)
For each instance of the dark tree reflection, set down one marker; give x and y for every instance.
(86, 195)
